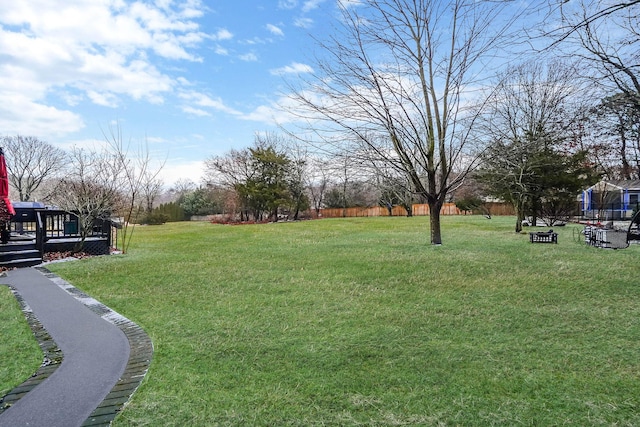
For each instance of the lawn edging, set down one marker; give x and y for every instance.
(141, 352)
(140, 355)
(52, 356)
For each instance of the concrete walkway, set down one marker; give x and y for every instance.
(104, 356)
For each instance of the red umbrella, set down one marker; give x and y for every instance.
(6, 208)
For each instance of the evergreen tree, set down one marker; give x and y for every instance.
(266, 189)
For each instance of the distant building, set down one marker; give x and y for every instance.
(611, 200)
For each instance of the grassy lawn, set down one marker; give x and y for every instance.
(20, 355)
(361, 322)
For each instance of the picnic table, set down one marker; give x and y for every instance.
(543, 237)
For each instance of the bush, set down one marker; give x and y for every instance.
(155, 218)
(172, 211)
(469, 203)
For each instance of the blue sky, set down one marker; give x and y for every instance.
(192, 78)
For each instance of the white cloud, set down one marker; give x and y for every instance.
(190, 9)
(303, 22)
(276, 112)
(287, 4)
(345, 4)
(293, 68)
(267, 114)
(97, 50)
(256, 41)
(275, 30)
(70, 98)
(177, 168)
(21, 115)
(112, 74)
(249, 57)
(199, 112)
(221, 51)
(205, 101)
(103, 98)
(223, 34)
(311, 4)
(184, 82)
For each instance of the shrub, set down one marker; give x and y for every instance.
(155, 218)
(172, 211)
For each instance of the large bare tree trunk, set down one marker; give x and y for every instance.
(435, 208)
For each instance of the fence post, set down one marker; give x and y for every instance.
(40, 233)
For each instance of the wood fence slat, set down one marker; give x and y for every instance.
(498, 209)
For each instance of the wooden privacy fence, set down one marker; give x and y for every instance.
(418, 210)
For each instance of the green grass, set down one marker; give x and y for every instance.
(362, 322)
(20, 355)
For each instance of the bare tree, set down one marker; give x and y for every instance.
(90, 189)
(606, 36)
(180, 188)
(614, 137)
(297, 175)
(151, 190)
(591, 13)
(230, 171)
(394, 189)
(397, 82)
(318, 180)
(346, 174)
(31, 162)
(528, 124)
(138, 180)
(107, 182)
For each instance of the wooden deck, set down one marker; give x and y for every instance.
(45, 230)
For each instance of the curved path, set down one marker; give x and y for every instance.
(103, 356)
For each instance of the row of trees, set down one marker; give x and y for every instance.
(264, 178)
(541, 143)
(532, 159)
(280, 177)
(108, 182)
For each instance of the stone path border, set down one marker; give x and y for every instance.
(141, 352)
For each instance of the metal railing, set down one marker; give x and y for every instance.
(610, 211)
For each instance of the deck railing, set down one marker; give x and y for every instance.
(49, 228)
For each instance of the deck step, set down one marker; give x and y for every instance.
(13, 247)
(19, 255)
(20, 263)
(18, 252)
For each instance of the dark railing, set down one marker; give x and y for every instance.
(59, 225)
(24, 228)
(54, 230)
(63, 225)
(611, 211)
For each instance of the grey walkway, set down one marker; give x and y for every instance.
(96, 356)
